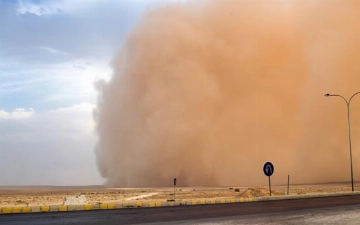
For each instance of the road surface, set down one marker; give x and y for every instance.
(180, 214)
(341, 215)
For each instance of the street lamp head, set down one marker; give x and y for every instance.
(327, 95)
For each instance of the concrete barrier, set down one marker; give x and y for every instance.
(7, 210)
(126, 205)
(158, 204)
(118, 205)
(171, 204)
(35, 209)
(75, 207)
(44, 208)
(103, 206)
(129, 204)
(133, 204)
(79, 207)
(63, 208)
(26, 209)
(70, 208)
(54, 208)
(16, 210)
(164, 204)
(88, 207)
(95, 206)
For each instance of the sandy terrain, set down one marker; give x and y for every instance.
(32, 196)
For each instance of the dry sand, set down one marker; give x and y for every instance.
(32, 196)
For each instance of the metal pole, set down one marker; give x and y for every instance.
(351, 165)
(174, 189)
(348, 111)
(270, 185)
(288, 184)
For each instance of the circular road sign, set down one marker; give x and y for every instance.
(268, 169)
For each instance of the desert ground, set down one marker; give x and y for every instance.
(48, 195)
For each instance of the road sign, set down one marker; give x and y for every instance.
(174, 181)
(268, 169)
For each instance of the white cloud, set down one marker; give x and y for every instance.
(74, 80)
(83, 107)
(17, 114)
(53, 50)
(53, 147)
(39, 10)
(47, 8)
(76, 118)
(58, 83)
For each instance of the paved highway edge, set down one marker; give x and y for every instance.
(139, 204)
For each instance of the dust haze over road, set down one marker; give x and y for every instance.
(207, 91)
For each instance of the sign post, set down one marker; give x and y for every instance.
(270, 185)
(288, 184)
(268, 171)
(174, 187)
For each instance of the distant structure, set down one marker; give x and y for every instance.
(75, 200)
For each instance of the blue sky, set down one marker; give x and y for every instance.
(51, 51)
(51, 54)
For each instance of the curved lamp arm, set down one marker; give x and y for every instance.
(347, 102)
(353, 96)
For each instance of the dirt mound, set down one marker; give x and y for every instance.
(259, 192)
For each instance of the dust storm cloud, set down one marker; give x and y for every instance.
(208, 91)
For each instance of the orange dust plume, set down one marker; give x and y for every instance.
(208, 91)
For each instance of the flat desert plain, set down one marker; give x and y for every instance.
(51, 195)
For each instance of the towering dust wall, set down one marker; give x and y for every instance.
(208, 91)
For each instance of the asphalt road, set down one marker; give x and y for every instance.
(340, 215)
(175, 214)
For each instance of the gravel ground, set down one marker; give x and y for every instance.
(56, 195)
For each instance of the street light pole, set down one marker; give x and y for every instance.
(348, 112)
